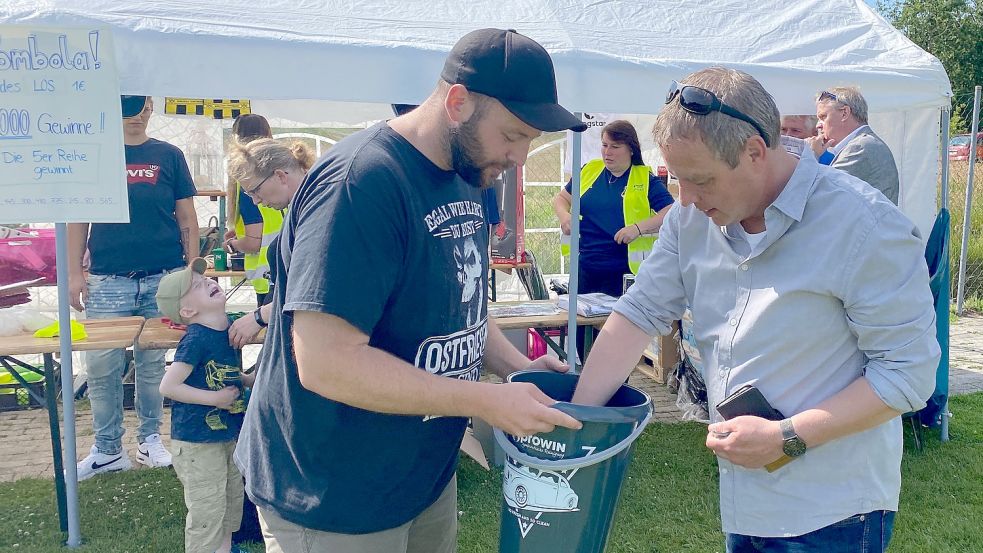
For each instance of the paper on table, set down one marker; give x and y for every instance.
(589, 305)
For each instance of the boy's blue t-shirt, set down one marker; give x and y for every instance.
(216, 365)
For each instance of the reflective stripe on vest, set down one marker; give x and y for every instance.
(256, 265)
(635, 204)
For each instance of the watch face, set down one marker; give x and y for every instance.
(794, 447)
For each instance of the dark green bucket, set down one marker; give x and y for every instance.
(560, 489)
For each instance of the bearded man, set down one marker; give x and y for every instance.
(367, 377)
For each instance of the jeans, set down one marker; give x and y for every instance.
(864, 533)
(119, 296)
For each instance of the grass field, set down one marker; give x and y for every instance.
(669, 503)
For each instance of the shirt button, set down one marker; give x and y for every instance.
(744, 266)
(733, 322)
(723, 471)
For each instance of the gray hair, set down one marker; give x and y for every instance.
(722, 134)
(850, 97)
(808, 121)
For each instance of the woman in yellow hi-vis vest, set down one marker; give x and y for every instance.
(622, 205)
(253, 226)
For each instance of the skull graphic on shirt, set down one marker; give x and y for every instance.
(467, 258)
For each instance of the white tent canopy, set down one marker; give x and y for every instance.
(616, 56)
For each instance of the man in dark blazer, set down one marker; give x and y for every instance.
(842, 113)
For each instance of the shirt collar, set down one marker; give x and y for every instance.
(842, 143)
(791, 202)
(793, 198)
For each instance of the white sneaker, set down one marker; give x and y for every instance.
(98, 463)
(152, 452)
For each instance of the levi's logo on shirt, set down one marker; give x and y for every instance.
(142, 173)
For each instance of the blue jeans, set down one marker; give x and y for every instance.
(119, 296)
(865, 533)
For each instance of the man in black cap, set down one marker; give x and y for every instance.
(127, 262)
(368, 377)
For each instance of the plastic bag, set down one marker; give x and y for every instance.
(210, 237)
(15, 321)
(691, 397)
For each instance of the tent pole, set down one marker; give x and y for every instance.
(67, 386)
(969, 202)
(574, 251)
(945, 158)
(944, 429)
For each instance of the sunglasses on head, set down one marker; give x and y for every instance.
(701, 102)
(825, 95)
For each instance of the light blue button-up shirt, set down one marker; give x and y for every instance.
(837, 289)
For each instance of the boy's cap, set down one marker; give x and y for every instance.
(174, 286)
(132, 105)
(515, 70)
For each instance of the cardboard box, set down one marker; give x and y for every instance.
(661, 356)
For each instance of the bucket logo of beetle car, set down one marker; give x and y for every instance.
(529, 492)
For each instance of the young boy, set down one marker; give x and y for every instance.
(205, 382)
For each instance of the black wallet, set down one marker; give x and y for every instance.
(747, 400)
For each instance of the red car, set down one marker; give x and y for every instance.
(959, 147)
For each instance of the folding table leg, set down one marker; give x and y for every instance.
(50, 398)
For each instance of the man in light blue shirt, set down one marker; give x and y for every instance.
(804, 282)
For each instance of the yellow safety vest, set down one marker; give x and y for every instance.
(635, 204)
(256, 265)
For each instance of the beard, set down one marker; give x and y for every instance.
(468, 156)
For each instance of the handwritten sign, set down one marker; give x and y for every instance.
(61, 138)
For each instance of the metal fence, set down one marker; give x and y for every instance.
(958, 177)
(542, 178)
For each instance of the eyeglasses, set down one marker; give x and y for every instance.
(825, 95)
(701, 102)
(255, 190)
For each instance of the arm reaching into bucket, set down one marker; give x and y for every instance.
(611, 360)
(335, 360)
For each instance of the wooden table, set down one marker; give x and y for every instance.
(212, 273)
(557, 320)
(158, 335)
(112, 333)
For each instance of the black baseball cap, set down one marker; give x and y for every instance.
(515, 70)
(132, 105)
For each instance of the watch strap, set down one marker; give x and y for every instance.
(788, 432)
(259, 319)
(781, 462)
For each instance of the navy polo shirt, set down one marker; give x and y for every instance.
(603, 215)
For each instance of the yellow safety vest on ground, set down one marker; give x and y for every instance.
(256, 265)
(635, 204)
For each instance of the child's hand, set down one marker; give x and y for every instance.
(225, 397)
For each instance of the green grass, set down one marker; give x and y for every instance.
(669, 503)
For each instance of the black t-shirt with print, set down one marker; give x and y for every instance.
(157, 176)
(381, 237)
(216, 365)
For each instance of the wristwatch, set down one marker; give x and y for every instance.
(792, 444)
(259, 319)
